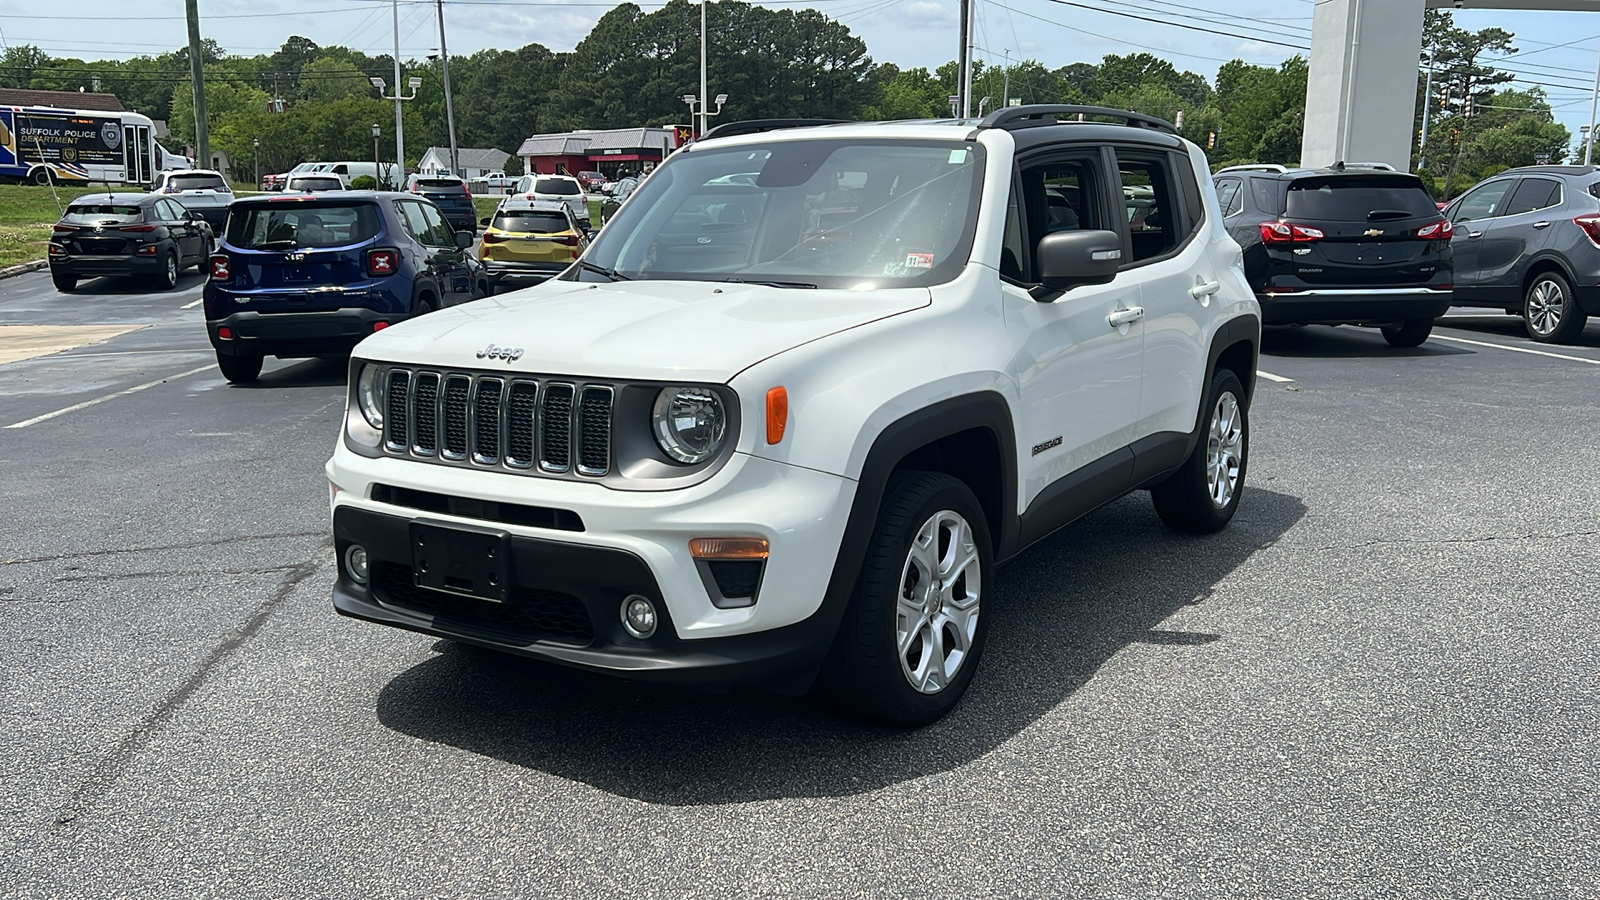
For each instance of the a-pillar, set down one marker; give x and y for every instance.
(1361, 94)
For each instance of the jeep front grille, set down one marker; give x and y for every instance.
(499, 422)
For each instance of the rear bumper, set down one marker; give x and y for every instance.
(1343, 306)
(330, 333)
(523, 271)
(107, 265)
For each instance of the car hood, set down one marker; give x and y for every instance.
(657, 330)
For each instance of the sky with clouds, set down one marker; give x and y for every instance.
(1556, 49)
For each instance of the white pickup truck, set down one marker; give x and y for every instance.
(495, 183)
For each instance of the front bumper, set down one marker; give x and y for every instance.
(330, 333)
(1343, 306)
(568, 584)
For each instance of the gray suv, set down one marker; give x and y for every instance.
(1528, 241)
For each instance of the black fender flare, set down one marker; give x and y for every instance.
(422, 286)
(987, 410)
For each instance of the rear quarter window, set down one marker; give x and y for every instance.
(1358, 198)
(282, 226)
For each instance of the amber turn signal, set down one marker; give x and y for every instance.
(777, 414)
(728, 548)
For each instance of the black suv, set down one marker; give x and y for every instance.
(1528, 241)
(1344, 245)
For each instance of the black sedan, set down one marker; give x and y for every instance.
(127, 234)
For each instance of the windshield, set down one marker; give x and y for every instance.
(1355, 198)
(530, 222)
(556, 186)
(196, 183)
(102, 214)
(283, 226)
(828, 213)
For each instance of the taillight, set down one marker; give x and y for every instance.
(1438, 231)
(220, 268)
(493, 238)
(140, 229)
(1590, 226)
(64, 229)
(1288, 233)
(571, 240)
(382, 262)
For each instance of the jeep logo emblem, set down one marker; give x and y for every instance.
(509, 354)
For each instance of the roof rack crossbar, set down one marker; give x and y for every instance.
(1039, 113)
(756, 126)
(1380, 166)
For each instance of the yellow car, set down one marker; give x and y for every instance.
(529, 243)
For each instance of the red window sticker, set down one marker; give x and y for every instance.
(919, 260)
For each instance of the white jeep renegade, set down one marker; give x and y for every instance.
(798, 399)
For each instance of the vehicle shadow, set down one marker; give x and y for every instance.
(121, 285)
(300, 373)
(1512, 327)
(1342, 342)
(1060, 611)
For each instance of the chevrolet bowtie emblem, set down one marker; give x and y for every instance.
(1373, 232)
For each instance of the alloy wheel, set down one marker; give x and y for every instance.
(1545, 307)
(1224, 446)
(938, 605)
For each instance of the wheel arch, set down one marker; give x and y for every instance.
(1237, 348)
(1540, 265)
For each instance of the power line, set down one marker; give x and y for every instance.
(1126, 15)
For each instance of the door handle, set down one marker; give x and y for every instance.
(1121, 317)
(1473, 234)
(1541, 224)
(1205, 289)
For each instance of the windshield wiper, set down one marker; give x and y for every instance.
(602, 270)
(776, 284)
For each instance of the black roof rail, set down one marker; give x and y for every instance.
(756, 126)
(1036, 114)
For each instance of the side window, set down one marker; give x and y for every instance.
(1229, 196)
(1482, 202)
(1532, 194)
(1194, 209)
(1150, 207)
(1060, 195)
(411, 218)
(439, 233)
(166, 213)
(1264, 191)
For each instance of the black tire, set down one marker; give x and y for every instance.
(494, 286)
(239, 369)
(426, 305)
(1410, 333)
(1550, 313)
(64, 283)
(482, 290)
(866, 672)
(1185, 501)
(42, 176)
(167, 278)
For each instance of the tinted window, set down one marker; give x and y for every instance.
(530, 222)
(1150, 207)
(1482, 202)
(440, 184)
(315, 183)
(102, 214)
(439, 233)
(301, 225)
(556, 186)
(1230, 195)
(1061, 195)
(196, 182)
(1358, 198)
(1532, 194)
(169, 211)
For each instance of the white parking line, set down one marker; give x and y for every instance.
(192, 305)
(1592, 362)
(122, 393)
(1271, 377)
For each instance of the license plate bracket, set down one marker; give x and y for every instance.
(474, 562)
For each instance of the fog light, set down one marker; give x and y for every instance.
(225, 333)
(639, 616)
(355, 562)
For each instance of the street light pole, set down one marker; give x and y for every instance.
(413, 82)
(1427, 105)
(1594, 101)
(399, 126)
(377, 161)
(703, 66)
(449, 108)
(256, 143)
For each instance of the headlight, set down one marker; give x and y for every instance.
(371, 390)
(690, 423)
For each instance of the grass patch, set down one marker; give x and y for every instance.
(487, 203)
(26, 213)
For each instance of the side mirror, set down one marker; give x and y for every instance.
(464, 239)
(484, 222)
(191, 215)
(1069, 259)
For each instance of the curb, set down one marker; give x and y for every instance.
(23, 269)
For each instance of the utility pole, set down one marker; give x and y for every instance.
(202, 131)
(703, 89)
(962, 101)
(972, 38)
(1005, 90)
(1427, 105)
(1588, 146)
(449, 109)
(399, 126)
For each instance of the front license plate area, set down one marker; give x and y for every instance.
(474, 562)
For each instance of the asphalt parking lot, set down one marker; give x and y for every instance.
(1378, 682)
